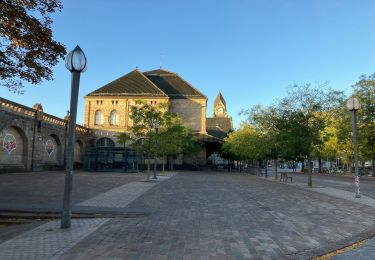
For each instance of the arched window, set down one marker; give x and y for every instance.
(113, 118)
(105, 142)
(98, 117)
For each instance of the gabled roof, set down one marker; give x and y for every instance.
(133, 84)
(219, 98)
(172, 84)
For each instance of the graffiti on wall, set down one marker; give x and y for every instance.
(8, 142)
(50, 147)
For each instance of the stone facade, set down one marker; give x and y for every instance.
(107, 105)
(192, 112)
(31, 140)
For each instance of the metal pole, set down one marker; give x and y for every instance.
(67, 211)
(354, 128)
(155, 155)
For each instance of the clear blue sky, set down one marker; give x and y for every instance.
(249, 50)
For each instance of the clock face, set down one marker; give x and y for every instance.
(220, 110)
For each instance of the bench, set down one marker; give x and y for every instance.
(284, 177)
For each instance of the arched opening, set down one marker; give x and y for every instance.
(105, 142)
(78, 149)
(113, 118)
(52, 155)
(98, 117)
(13, 148)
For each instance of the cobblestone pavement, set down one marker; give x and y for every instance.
(339, 193)
(45, 189)
(121, 196)
(48, 241)
(228, 216)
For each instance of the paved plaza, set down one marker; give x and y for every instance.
(192, 215)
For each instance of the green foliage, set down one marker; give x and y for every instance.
(173, 138)
(123, 138)
(364, 89)
(27, 50)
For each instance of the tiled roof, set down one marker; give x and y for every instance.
(133, 83)
(172, 84)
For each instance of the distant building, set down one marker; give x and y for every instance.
(33, 140)
(108, 107)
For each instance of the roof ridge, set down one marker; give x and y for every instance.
(136, 70)
(150, 72)
(143, 75)
(192, 86)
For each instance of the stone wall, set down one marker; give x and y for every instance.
(107, 105)
(31, 140)
(192, 112)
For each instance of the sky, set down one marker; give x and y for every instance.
(249, 50)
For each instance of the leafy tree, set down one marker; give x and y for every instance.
(265, 120)
(124, 138)
(27, 50)
(364, 89)
(145, 116)
(304, 114)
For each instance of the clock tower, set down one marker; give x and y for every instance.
(220, 107)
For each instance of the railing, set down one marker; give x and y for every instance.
(30, 112)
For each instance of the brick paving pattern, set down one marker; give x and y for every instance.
(118, 197)
(48, 241)
(227, 216)
(338, 193)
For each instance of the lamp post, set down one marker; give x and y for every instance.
(76, 63)
(353, 105)
(156, 125)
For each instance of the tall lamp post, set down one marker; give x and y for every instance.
(76, 63)
(353, 105)
(156, 125)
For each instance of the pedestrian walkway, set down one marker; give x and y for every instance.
(365, 252)
(341, 194)
(49, 241)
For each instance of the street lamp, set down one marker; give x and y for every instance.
(156, 126)
(76, 63)
(353, 105)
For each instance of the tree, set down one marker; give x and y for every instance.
(266, 120)
(304, 113)
(364, 89)
(145, 116)
(27, 50)
(123, 138)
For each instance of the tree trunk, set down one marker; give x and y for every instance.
(303, 165)
(275, 169)
(266, 165)
(171, 163)
(309, 179)
(320, 164)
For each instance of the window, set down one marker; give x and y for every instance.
(113, 118)
(105, 142)
(98, 117)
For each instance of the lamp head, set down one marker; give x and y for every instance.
(76, 60)
(353, 104)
